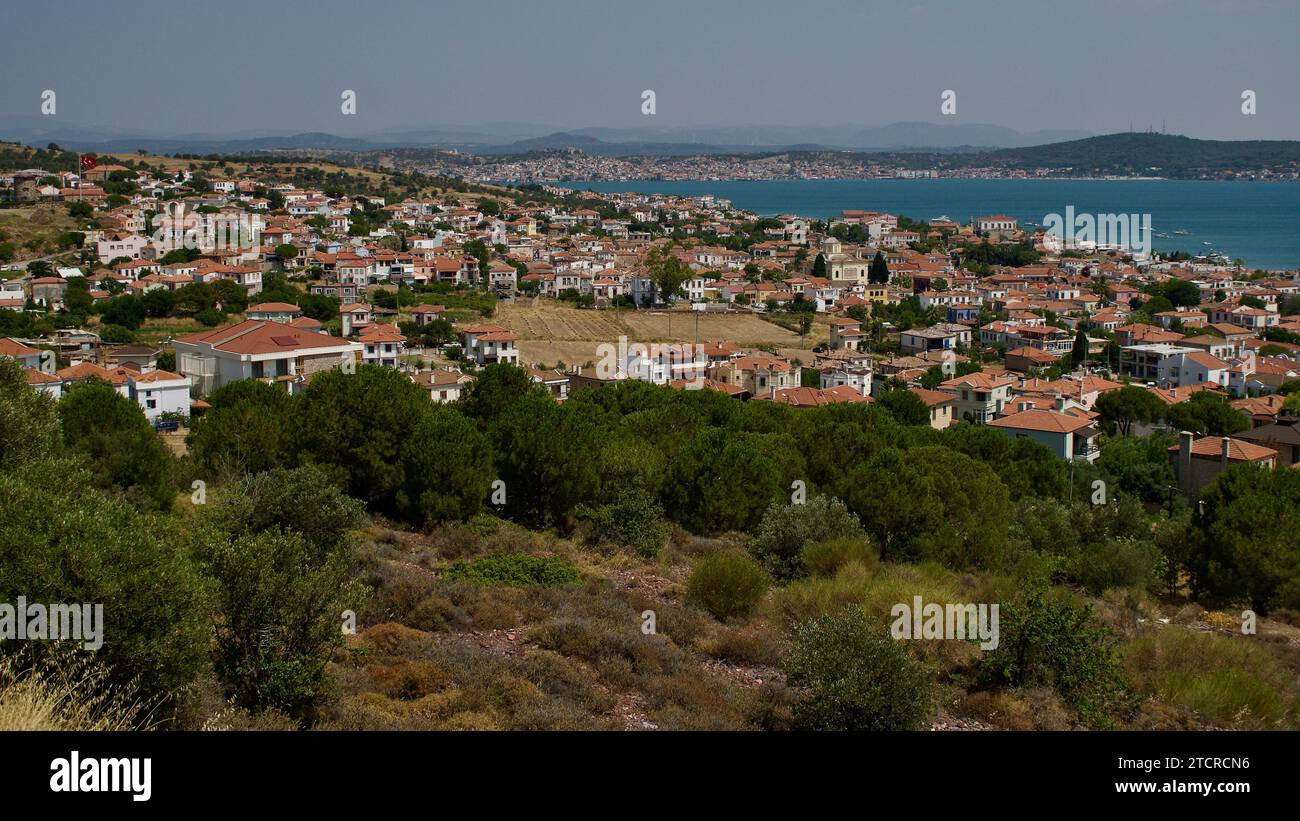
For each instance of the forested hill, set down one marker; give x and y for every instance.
(1140, 154)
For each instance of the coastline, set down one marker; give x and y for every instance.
(1257, 223)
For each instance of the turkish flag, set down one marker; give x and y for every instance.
(87, 162)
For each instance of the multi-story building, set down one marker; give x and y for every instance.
(846, 334)
(486, 344)
(978, 397)
(760, 374)
(382, 344)
(259, 349)
(1197, 462)
(1172, 366)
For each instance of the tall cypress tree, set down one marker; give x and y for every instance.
(879, 271)
(1080, 350)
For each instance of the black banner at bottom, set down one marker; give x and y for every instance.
(143, 772)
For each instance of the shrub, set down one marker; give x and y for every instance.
(754, 644)
(301, 500)
(62, 541)
(514, 570)
(277, 599)
(826, 558)
(1120, 563)
(633, 520)
(1053, 641)
(853, 678)
(726, 584)
(210, 317)
(786, 529)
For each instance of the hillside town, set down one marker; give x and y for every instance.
(575, 165)
(985, 321)
(530, 375)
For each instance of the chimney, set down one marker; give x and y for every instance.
(1185, 459)
(1227, 444)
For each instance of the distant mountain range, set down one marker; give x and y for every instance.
(908, 145)
(888, 137)
(521, 138)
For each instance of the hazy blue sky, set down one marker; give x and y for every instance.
(232, 65)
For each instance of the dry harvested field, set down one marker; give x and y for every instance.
(561, 323)
(804, 355)
(551, 332)
(548, 354)
(744, 329)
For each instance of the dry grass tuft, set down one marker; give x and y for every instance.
(70, 694)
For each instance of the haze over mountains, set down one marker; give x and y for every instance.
(909, 145)
(517, 138)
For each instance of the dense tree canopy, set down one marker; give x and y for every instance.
(121, 448)
(245, 431)
(1132, 404)
(1249, 545)
(1207, 413)
(61, 540)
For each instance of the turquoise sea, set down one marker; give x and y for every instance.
(1256, 221)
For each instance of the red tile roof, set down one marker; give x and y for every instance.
(1238, 451)
(256, 336)
(1041, 420)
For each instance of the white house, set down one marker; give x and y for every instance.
(443, 385)
(160, 392)
(128, 246)
(382, 344)
(259, 349)
(1069, 436)
(485, 344)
